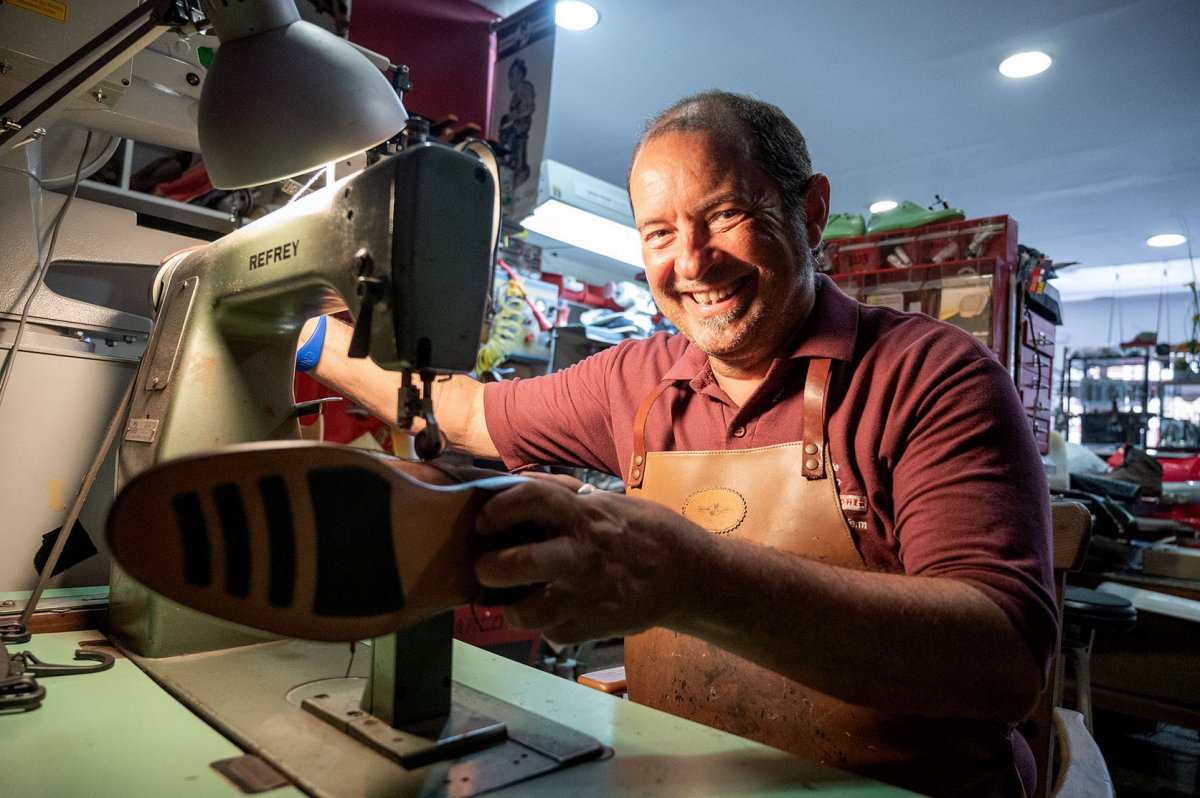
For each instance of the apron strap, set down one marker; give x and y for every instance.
(636, 469)
(813, 466)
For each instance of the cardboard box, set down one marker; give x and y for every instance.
(1167, 559)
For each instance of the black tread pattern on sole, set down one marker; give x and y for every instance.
(357, 574)
(281, 533)
(197, 554)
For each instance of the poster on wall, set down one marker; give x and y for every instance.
(520, 103)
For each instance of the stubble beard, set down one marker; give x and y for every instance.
(734, 330)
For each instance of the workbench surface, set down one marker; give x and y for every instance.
(119, 733)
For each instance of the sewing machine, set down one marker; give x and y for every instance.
(407, 245)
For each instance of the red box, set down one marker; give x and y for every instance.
(858, 255)
(972, 239)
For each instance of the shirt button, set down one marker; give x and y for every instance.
(811, 465)
(810, 448)
(739, 431)
(637, 460)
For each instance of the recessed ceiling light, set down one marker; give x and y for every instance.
(575, 15)
(881, 206)
(1025, 65)
(1166, 240)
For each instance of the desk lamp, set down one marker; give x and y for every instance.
(284, 96)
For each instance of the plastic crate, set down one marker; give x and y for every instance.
(993, 237)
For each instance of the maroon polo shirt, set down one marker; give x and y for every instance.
(937, 469)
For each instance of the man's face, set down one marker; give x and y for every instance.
(724, 260)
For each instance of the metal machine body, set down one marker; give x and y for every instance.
(407, 246)
(415, 228)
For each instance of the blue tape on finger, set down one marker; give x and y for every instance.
(308, 354)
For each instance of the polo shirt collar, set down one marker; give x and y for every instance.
(829, 332)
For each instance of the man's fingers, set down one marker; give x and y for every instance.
(538, 610)
(532, 564)
(566, 480)
(543, 503)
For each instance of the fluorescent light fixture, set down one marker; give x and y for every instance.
(583, 211)
(1166, 240)
(585, 230)
(1078, 284)
(882, 205)
(575, 15)
(1025, 65)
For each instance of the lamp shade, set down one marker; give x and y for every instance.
(284, 96)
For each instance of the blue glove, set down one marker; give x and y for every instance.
(310, 352)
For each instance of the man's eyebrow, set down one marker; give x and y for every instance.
(647, 222)
(721, 199)
(704, 208)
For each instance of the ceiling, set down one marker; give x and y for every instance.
(903, 101)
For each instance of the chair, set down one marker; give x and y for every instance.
(1085, 611)
(1082, 772)
(1052, 731)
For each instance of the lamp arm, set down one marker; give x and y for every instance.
(21, 114)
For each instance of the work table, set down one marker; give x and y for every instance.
(119, 732)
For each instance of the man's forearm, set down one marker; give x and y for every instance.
(922, 645)
(457, 400)
(908, 644)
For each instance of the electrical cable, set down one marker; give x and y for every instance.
(96, 164)
(1193, 341)
(304, 188)
(28, 174)
(15, 632)
(42, 269)
(68, 525)
(506, 330)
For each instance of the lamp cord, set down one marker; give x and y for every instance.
(42, 269)
(81, 495)
(19, 631)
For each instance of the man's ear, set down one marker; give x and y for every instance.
(816, 207)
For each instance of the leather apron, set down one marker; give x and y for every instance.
(785, 496)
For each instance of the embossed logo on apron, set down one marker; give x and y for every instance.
(716, 509)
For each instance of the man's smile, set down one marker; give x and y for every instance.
(712, 296)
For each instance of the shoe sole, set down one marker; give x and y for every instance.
(303, 539)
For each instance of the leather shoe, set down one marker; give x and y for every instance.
(308, 540)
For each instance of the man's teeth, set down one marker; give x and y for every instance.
(712, 297)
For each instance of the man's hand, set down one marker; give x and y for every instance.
(611, 564)
(616, 565)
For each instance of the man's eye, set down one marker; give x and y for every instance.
(654, 235)
(727, 214)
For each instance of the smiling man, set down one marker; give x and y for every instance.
(836, 534)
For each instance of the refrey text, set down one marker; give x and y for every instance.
(269, 256)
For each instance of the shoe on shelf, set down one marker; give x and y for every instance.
(309, 540)
(909, 214)
(844, 225)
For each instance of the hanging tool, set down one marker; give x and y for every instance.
(17, 691)
(25, 662)
(18, 684)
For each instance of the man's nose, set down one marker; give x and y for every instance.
(694, 257)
